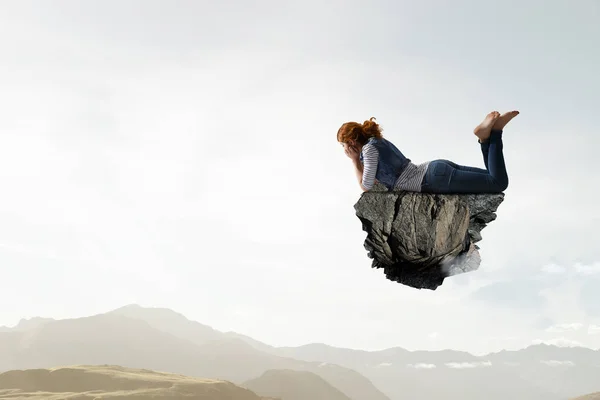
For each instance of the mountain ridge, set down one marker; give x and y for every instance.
(124, 310)
(536, 372)
(113, 338)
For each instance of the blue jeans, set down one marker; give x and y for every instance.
(444, 176)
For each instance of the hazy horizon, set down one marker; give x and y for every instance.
(182, 155)
(22, 323)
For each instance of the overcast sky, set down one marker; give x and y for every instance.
(182, 154)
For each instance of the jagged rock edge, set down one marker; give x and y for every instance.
(477, 222)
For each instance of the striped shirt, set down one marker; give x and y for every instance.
(410, 180)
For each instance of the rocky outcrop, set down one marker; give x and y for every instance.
(420, 239)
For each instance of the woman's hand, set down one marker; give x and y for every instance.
(351, 152)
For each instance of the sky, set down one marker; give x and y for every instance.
(182, 154)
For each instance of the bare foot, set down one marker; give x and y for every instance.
(504, 119)
(483, 130)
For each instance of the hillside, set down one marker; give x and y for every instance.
(294, 385)
(97, 340)
(133, 343)
(591, 396)
(178, 325)
(536, 372)
(237, 357)
(95, 382)
(161, 339)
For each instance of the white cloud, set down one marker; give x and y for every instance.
(560, 342)
(555, 363)
(464, 365)
(383, 365)
(554, 269)
(593, 329)
(588, 269)
(564, 327)
(421, 366)
(434, 335)
(577, 269)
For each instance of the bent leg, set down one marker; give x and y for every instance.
(485, 151)
(495, 156)
(444, 176)
(473, 182)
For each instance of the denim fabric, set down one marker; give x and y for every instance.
(444, 176)
(391, 162)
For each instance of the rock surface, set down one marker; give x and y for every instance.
(419, 239)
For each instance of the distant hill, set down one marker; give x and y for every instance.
(171, 322)
(537, 372)
(257, 356)
(117, 339)
(591, 396)
(80, 382)
(162, 339)
(177, 324)
(26, 324)
(294, 385)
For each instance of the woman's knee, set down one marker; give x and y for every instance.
(501, 184)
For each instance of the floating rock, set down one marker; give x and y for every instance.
(419, 239)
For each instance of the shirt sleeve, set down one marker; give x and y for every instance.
(370, 160)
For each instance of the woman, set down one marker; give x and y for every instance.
(376, 158)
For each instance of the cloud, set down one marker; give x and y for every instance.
(553, 269)
(587, 269)
(383, 365)
(555, 363)
(559, 342)
(559, 328)
(464, 365)
(421, 366)
(433, 335)
(593, 330)
(577, 269)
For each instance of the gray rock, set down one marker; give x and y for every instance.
(419, 239)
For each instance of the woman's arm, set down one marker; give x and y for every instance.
(358, 169)
(365, 171)
(369, 167)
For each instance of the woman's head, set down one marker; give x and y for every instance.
(353, 133)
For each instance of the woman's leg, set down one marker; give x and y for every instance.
(467, 168)
(497, 127)
(444, 176)
(485, 150)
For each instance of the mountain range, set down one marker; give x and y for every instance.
(163, 340)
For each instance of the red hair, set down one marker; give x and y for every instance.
(359, 132)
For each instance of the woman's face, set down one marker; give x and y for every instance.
(348, 144)
(350, 149)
